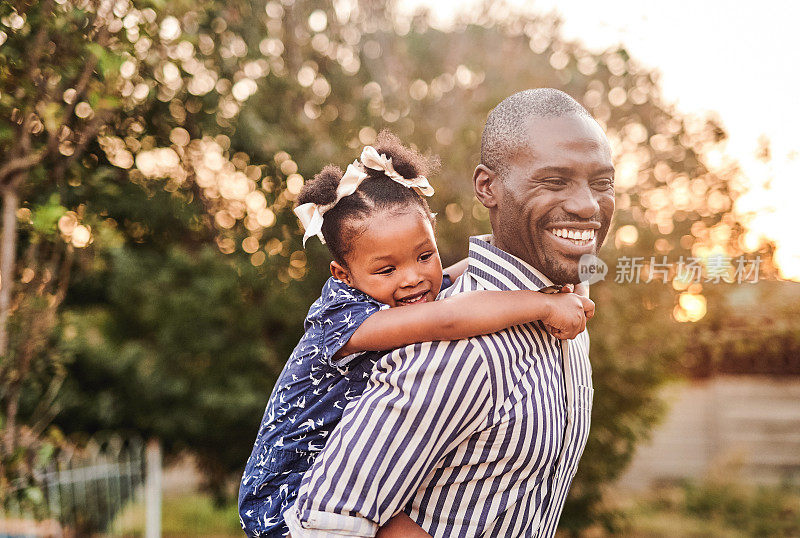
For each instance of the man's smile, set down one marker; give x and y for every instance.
(577, 238)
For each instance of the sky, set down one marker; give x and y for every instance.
(738, 60)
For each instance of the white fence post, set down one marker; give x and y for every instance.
(152, 490)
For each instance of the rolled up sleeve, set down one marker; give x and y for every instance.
(421, 402)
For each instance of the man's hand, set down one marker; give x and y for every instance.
(568, 314)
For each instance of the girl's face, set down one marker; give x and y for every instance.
(395, 260)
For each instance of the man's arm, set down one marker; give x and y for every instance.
(422, 401)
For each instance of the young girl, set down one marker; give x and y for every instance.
(379, 231)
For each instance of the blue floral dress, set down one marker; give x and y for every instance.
(306, 404)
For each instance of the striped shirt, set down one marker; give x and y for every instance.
(475, 437)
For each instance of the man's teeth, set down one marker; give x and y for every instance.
(573, 234)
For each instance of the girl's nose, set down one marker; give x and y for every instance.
(411, 278)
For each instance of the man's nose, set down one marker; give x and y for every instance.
(582, 202)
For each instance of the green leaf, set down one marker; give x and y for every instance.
(44, 218)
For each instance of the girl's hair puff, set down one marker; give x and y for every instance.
(344, 222)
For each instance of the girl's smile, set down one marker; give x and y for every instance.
(395, 259)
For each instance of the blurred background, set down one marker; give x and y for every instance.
(153, 279)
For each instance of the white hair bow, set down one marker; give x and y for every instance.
(310, 214)
(371, 159)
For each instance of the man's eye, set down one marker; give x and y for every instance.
(605, 183)
(555, 181)
(426, 256)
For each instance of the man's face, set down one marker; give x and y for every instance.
(556, 199)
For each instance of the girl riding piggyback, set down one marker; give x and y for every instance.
(380, 232)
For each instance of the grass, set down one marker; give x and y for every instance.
(193, 515)
(719, 509)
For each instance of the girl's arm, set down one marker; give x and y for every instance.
(457, 269)
(468, 314)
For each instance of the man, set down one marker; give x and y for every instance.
(482, 437)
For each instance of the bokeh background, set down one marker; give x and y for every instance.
(154, 280)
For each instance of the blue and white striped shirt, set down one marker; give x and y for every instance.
(475, 437)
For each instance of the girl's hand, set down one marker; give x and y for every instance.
(568, 314)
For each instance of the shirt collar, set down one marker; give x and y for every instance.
(496, 269)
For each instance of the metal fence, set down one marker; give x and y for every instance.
(85, 490)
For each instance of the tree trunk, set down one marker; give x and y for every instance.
(8, 248)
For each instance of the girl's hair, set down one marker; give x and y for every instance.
(341, 223)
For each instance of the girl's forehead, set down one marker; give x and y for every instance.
(393, 233)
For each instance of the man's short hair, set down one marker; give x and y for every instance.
(504, 132)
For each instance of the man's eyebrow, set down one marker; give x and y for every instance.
(565, 171)
(606, 170)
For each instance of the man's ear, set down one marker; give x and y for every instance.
(485, 181)
(340, 273)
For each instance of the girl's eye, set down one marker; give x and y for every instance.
(385, 271)
(426, 256)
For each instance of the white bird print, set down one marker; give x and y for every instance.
(294, 377)
(346, 294)
(323, 433)
(349, 394)
(268, 522)
(328, 321)
(314, 350)
(315, 368)
(283, 490)
(328, 374)
(307, 425)
(320, 422)
(279, 442)
(317, 392)
(336, 404)
(299, 437)
(281, 398)
(315, 448)
(249, 513)
(347, 317)
(270, 427)
(314, 380)
(292, 419)
(301, 402)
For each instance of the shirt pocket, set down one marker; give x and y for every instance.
(584, 395)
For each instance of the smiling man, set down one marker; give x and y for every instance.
(482, 436)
